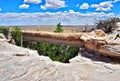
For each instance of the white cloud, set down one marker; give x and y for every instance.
(84, 6)
(66, 18)
(53, 4)
(103, 6)
(24, 6)
(71, 11)
(0, 9)
(116, 1)
(32, 1)
(42, 7)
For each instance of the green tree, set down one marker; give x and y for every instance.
(107, 25)
(17, 35)
(58, 28)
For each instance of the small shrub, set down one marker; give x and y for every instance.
(17, 35)
(58, 28)
(5, 31)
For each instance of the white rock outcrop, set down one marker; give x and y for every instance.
(21, 64)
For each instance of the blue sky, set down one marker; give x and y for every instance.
(50, 12)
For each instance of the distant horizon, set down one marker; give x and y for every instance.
(45, 25)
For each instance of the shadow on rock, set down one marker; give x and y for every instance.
(94, 56)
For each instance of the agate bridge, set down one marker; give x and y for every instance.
(88, 40)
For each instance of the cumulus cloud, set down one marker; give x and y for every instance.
(32, 1)
(24, 6)
(47, 18)
(53, 4)
(84, 6)
(103, 6)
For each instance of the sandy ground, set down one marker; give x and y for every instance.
(67, 29)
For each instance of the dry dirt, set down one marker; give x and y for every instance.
(67, 29)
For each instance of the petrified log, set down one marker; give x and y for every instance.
(102, 47)
(88, 40)
(54, 38)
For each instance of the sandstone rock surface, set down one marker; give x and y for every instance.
(100, 33)
(21, 64)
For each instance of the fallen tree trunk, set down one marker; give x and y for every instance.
(87, 40)
(54, 38)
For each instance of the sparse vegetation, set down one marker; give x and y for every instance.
(5, 31)
(37, 30)
(17, 35)
(107, 25)
(60, 53)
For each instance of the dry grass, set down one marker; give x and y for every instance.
(70, 29)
